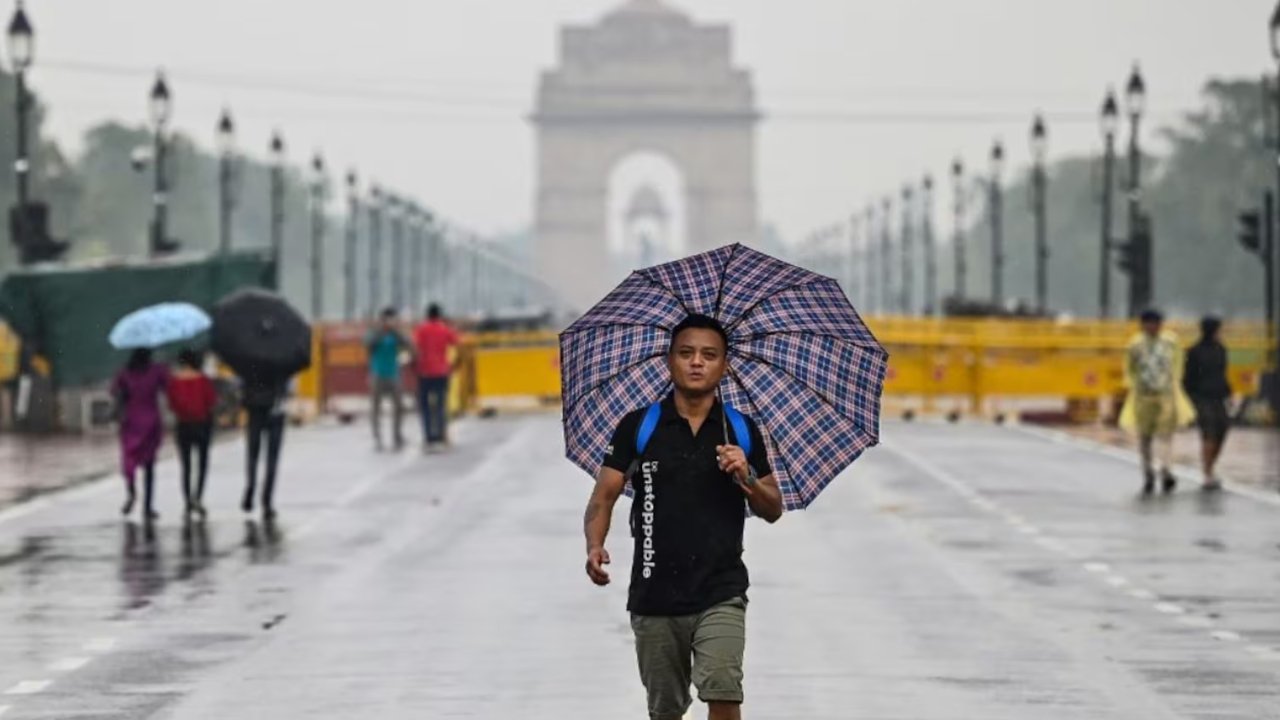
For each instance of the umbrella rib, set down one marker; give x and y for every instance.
(801, 383)
(786, 467)
(574, 331)
(602, 381)
(873, 345)
(807, 281)
(723, 275)
(644, 274)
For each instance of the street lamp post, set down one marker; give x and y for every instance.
(21, 52)
(930, 249)
(869, 259)
(416, 238)
(907, 301)
(375, 248)
(996, 211)
(226, 152)
(395, 219)
(161, 112)
(1140, 277)
(886, 256)
(1110, 122)
(851, 268)
(1273, 252)
(349, 248)
(319, 188)
(1039, 181)
(277, 207)
(957, 214)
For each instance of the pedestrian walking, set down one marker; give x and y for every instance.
(263, 398)
(1205, 382)
(1155, 406)
(193, 398)
(136, 390)
(384, 344)
(434, 338)
(696, 466)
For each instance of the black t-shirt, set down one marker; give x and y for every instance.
(687, 516)
(1205, 375)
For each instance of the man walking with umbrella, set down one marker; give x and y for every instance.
(266, 342)
(685, 456)
(700, 338)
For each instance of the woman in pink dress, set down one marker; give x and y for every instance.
(137, 390)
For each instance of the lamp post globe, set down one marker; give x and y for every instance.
(226, 134)
(1039, 140)
(161, 101)
(1110, 116)
(21, 40)
(277, 149)
(1275, 32)
(1135, 93)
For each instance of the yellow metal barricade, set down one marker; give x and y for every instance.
(952, 365)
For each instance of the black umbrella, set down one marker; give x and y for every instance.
(260, 336)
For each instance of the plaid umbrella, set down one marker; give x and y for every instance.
(801, 362)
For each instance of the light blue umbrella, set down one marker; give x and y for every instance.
(158, 325)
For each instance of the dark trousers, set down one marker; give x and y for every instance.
(263, 422)
(433, 405)
(194, 438)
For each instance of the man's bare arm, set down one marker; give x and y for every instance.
(596, 521)
(765, 499)
(599, 514)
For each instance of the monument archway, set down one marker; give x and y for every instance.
(644, 82)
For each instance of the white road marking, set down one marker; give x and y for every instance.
(1131, 457)
(1264, 652)
(1226, 635)
(70, 664)
(28, 687)
(1117, 581)
(1170, 608)
(100, 645)
(1097, 567)
(1142, 594)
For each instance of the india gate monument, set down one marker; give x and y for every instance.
(645, 148)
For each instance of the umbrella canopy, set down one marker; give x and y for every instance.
(260, 335)
(801, 362)
(158, 325)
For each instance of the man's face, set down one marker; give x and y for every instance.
(1151, 328)
(697, 361)
(388, 322)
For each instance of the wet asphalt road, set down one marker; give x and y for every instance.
(957, 572)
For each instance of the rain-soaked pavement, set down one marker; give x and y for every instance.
(958, 572)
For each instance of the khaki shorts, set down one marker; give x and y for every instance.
(704, 649)
(1155, 415)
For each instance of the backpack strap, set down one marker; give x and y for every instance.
(741, 433)
(647, 426)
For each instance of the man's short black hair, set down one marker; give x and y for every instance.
(697, 320)
(433, 311)
(1209, 326)
(389, 313)
(1151, 315)
(191, 357)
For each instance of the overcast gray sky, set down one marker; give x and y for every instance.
(430, 96)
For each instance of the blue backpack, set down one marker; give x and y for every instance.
(650, 422)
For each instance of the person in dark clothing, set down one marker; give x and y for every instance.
(1205, 382)
(694, 484)
(192, 398)
(263, 399)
